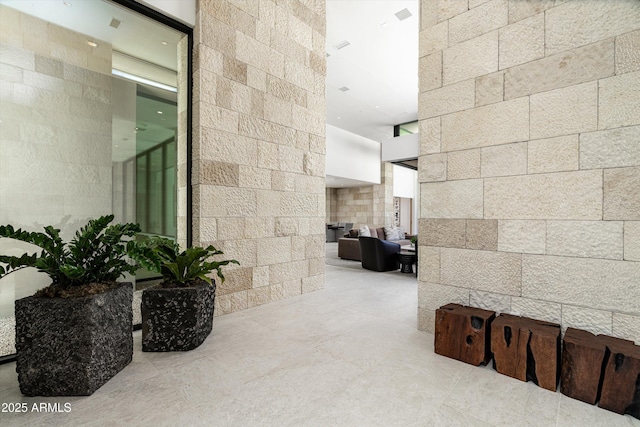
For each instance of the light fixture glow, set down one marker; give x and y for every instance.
(139, 79)
(92, 43)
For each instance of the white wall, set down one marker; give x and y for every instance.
(352, 156)
(405, 184)
(401, 148)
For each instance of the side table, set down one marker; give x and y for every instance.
(407, 259)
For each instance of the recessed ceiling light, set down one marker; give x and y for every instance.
(403, 14)
(344, 89)
(66, 3)
(159, 112)
(164, 42)
(343, 43)
(384, 25)
(92, 43)
(339, 117)
(377, 106)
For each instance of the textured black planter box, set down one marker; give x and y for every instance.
(177, 319)
(72, 346)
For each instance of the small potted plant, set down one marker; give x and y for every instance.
(75, 334)
(177, 315)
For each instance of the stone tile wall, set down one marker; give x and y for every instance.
(259, 145)
(530, 163)
(366, 205)
(55, 131)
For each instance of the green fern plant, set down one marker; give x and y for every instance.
(178, 268)
(96, 254)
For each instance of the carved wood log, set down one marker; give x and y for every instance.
(463, 333)
(621, 382)
(527, 349)
(582, 357)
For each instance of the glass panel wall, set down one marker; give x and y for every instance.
(89, 126)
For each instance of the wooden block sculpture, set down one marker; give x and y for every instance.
(527, 349)
(601, 366)
(463, 333)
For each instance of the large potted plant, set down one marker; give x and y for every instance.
(177, 315)
(75, 334)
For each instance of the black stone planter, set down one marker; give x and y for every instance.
(177, 319)
(72, 346)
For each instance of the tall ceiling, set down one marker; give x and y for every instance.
(379, 66)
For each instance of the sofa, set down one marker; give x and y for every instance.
(349, 248)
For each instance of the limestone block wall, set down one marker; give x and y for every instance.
(259, 145)
(366, 205)
(55, 130)
(530, 160)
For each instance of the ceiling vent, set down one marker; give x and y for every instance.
(115, 23)
(344, 89)
(328, 55)
(343, 43)
(403, 14)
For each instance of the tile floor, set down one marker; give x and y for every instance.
(348, 355)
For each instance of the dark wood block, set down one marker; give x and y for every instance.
(463, 333)
(582, 357)
(621, 384)
(509, 346)
(526, 349)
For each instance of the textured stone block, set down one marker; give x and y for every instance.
(448, 99)
(450, 8)
(579, 281)
(587, 319)
(430, 71)
(493, 124)
(481, 270)
(581, 65)
(312, 283)
(482, 234)
(442, 232)
(523, 9)
(430, 136)
(471, 58)
(619, 101)
(622, 194)
(453, 199)
(463, 164)
(632, 240)
(429, 262)
(274, 250)
(463, 333)
(218, 173)
(574, 24)
(610, 149)
(431, 296)
(177, 319)
(489, 89)
(588, 239)
(627, 327)
(228, 147)
(557, 154)
(562, 195)
(426, 320)
(478, 21)
(503, 160)
(435, 39)
(536, 309)
(432, 167)
(287, 271)
(227, 201)
(627, 52)
(73, 346)
(565, 111)
(490, 301)
(522, 42)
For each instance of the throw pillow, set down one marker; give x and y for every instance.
(401, 233)
(364, 231)
(391, 233)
